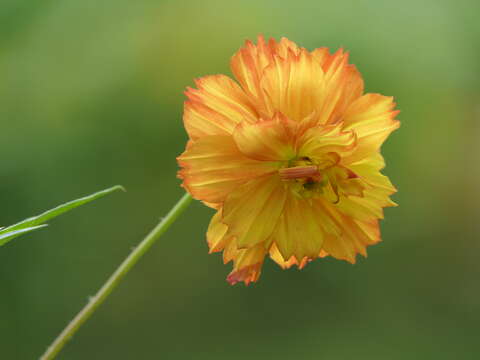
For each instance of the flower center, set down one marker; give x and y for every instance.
(324, 177)
(303, 176)
(299, 172)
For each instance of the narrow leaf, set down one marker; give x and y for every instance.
(33, 222)
(6, 237)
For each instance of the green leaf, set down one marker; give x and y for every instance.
(33, 223)
(6, 237)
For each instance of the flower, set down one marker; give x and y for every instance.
(288, 156)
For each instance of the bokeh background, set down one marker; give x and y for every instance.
(91, 96)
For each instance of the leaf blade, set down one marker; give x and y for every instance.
(6, 237)
(35, 222)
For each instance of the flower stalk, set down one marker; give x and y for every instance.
(116, 278)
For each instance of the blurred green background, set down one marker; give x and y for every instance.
(91, 96)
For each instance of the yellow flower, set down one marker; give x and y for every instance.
(289, 157)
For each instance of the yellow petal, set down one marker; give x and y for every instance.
(294, 84)
(323, 139)
(299, 231)
(343, 84)
(276, 256)
(284, 77)
(354, 237)
(247, 65)
(284, 46)
(352, 187)
(216, 107)
(252, 210)
(270, 140)
(212, 167)
(250, 61)
(372, 118)
(216, 233)
(378, 188)
(365, 208)
(348, 182)
(369, 170)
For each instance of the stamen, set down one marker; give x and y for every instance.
(299, 172)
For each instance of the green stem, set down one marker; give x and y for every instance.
(116, 278)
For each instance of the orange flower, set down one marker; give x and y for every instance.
(289, 157)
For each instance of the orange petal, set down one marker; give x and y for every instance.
(248, 64)
(283, 47)
(321, 55)
(213, 167)
(252, 210)
(299, 231)
(247, 264)
(215, 206)
(372, 118)
(270, 140)
(231, 250)
(216, 107)
(294, 85)
(343, 84)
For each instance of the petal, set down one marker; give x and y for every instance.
(270, 140)
(354, 240)
(215, 206)
(347, 181)
(248, 64)
(371, 164)
(213, 167)
(299, 231)
(343, 84)
(354, 237)
(252, 210)
(372, 118)
(216, 107)
(283, 47)
(276, 256)
(375, 197)
(247, 262)
(321, 55)
(369, 170)
(352, 187)
(247, 265)
(294, 84)
(216, 233)
(366, 208)
(283, 77)
(323, 139)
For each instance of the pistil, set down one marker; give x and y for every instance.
(299, 172)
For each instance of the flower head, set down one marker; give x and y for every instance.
(289, 156)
